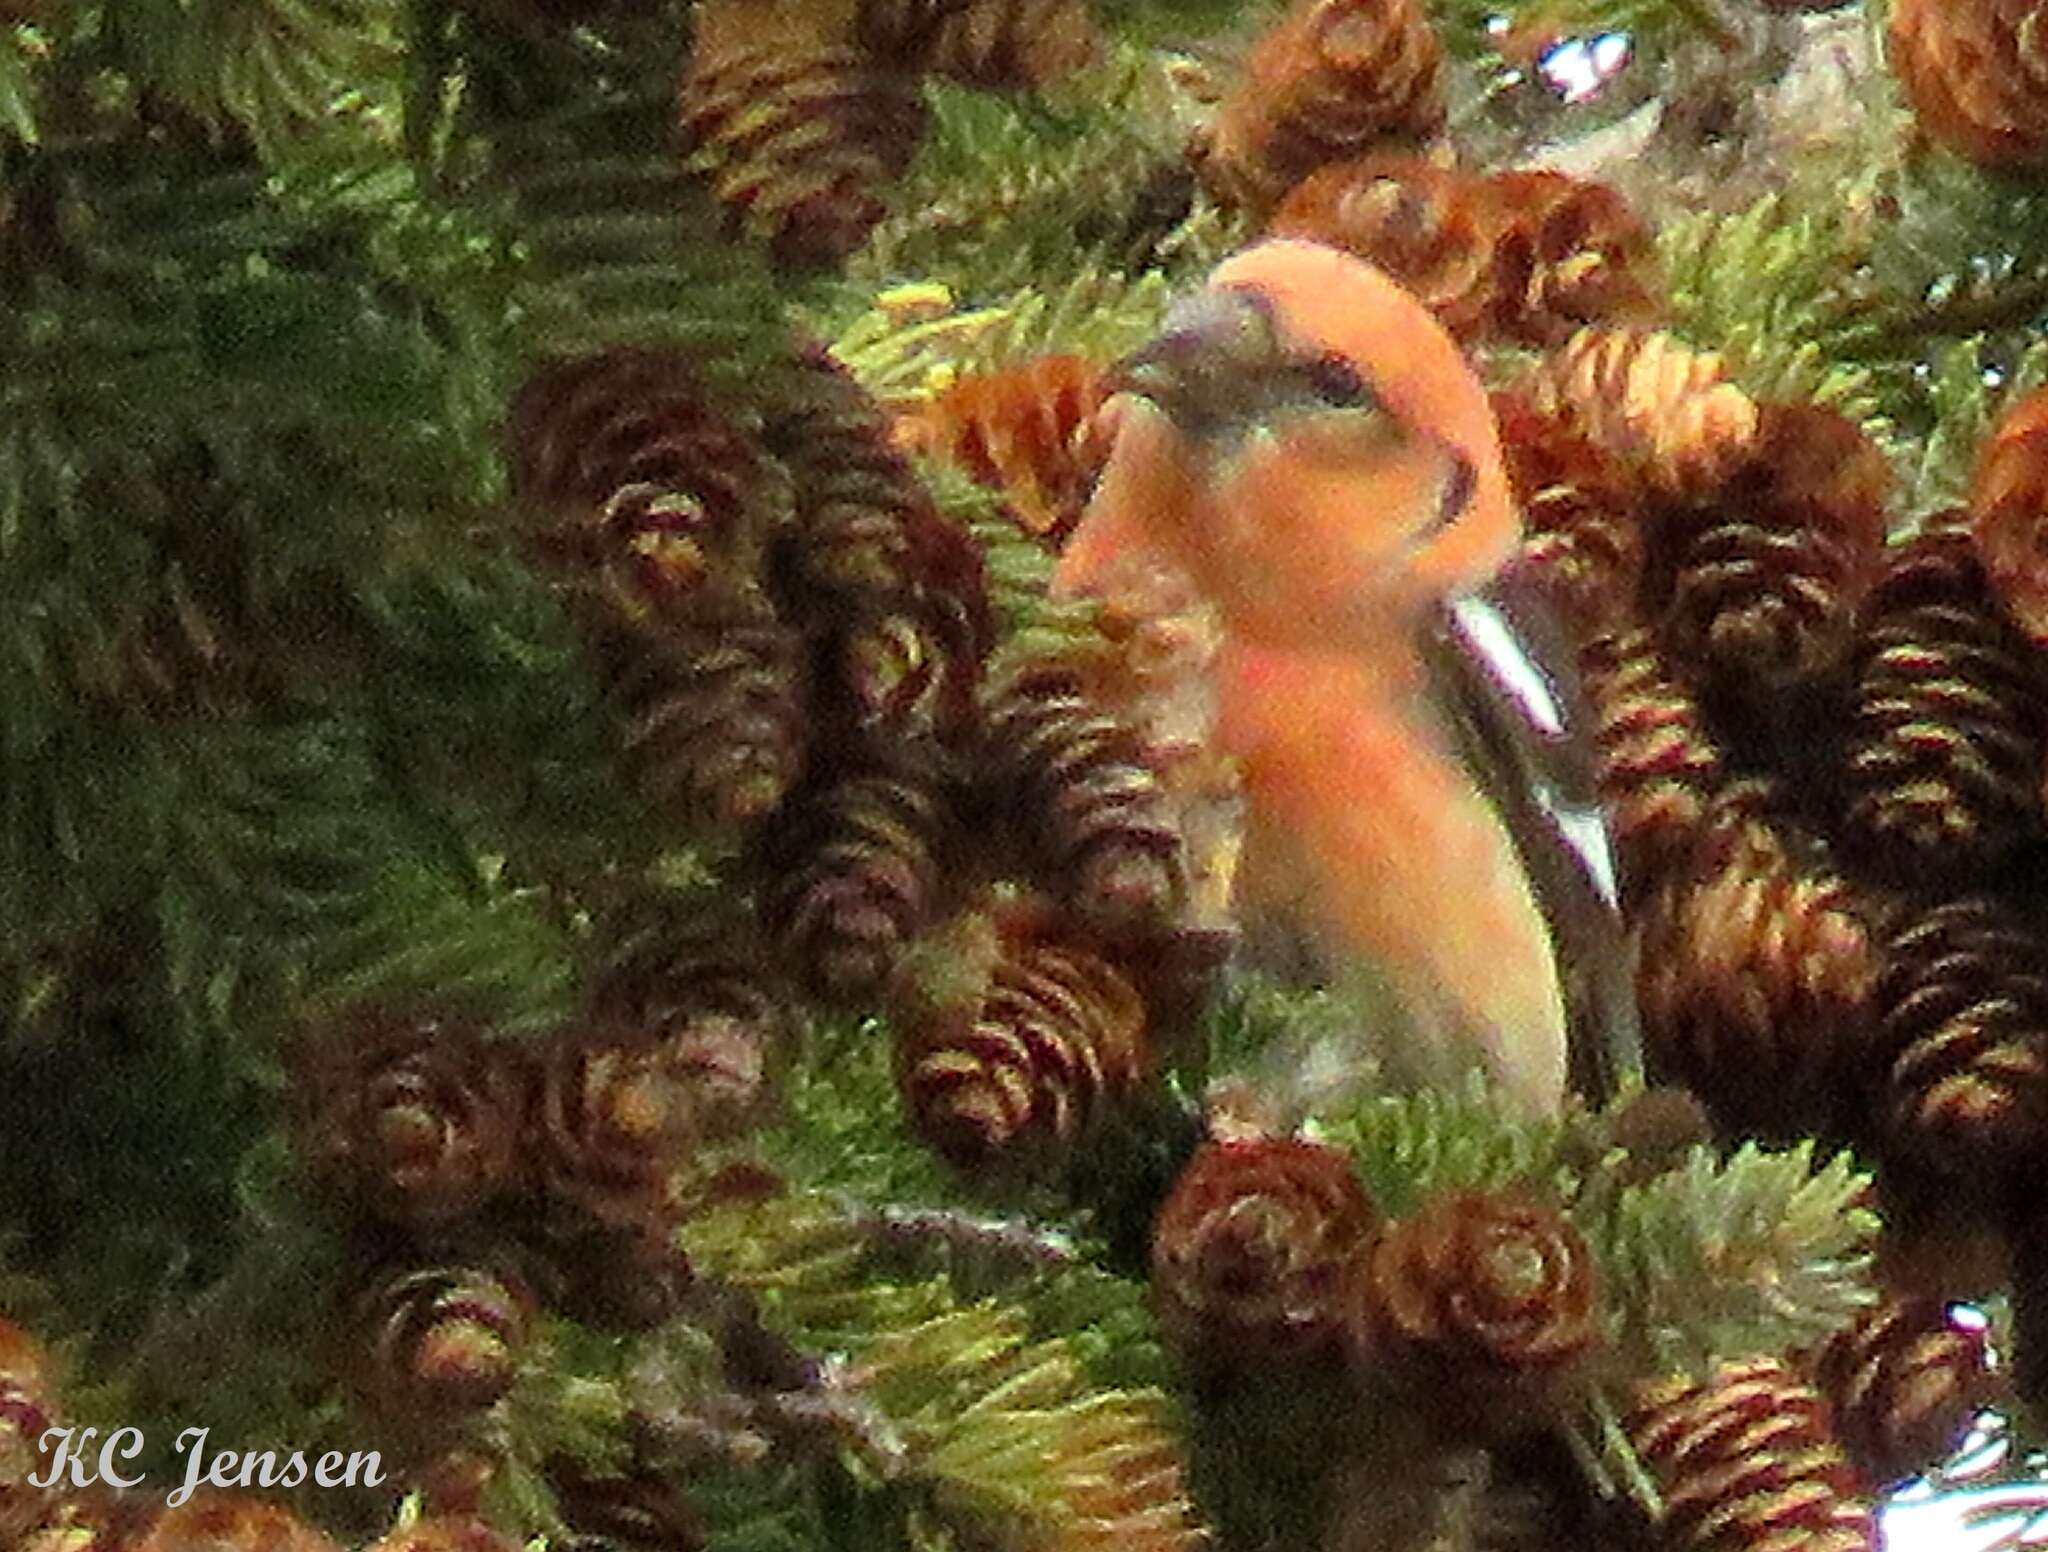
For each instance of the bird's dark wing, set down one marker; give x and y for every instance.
(1505, 671)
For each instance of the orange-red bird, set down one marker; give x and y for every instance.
(1305, 444)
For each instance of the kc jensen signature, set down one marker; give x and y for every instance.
(75, 1460)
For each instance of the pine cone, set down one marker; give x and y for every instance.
(215, 1521)
(1976, 73)
(1030, 431)
(715, 726)
(1661, 407)
(27, 1411)
(416, 1117)
(1584, 527)
(1566, 253)
(440, 1341)
(997, 45)
(862, 881)
(1012, 1043)
(446, 1533)
(1771, 570)
(1963, 1043)
(1756, 979)
(1748, 1459)
(797, 136)
(665, 506)
(1250, 1250)
(905, 679)
(613, 1123)
(1083, 784)
(868, 533)
(1950, 723)
(1905, 1381)
(1329, 81)
(1431, 228)
(2009, 504)
(638, 1512)
(1494, 1295)
(1658, 769)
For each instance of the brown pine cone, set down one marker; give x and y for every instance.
(1030, 431)
(414, 1116)
(215, 1521)
(1083, 784)
(1585, 528)
(1950, 720)
(1664, 409)
(1567, 253)
(1962, 1052)
(1250, 1250)
(900, 680)
(1431, 228)
(862, 879)
(868, 533)
(2009, 506)
(27, 1410)
(714, 721)
(446, 1533)
(1905, 1381)
(1748, 1459)
(1495, 1295)
(637, 1512)
(798, 136)
(1976, 73)
(1756, 979)
(1331, 80)
(664, 505)
(1658, 768)
(1011, 1043)
(439, 1341)
(612, 1124)
(1772, 568)
(997, 45)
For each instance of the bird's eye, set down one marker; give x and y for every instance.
(1337, 381)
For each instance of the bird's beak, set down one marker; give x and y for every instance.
(1197, 370)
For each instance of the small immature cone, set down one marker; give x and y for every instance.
(1976, 73)
(1663, 408)
(613, 1122)
(997, 45)
(713, 722)
(1583, 524)
(1082, 782)
(1012, 1043)
(1250, 1250)
(215, 1521)
(1567, 253)
(861, 880)
(2009, 506)
(1434, 229)
(1493, 1295)
(899, 681)
(1756, 978)
(1771, 568)
(1905, 1381)
(1962, 1044)
(414, 1116)
(1659, 770)
(441, 1341)
(1330, 80)
(1951, 722)
(1748, 1459)
(799, 136)
(1030, 431)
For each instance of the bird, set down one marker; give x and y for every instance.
(1306, 450)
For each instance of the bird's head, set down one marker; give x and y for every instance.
(1307, 442)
